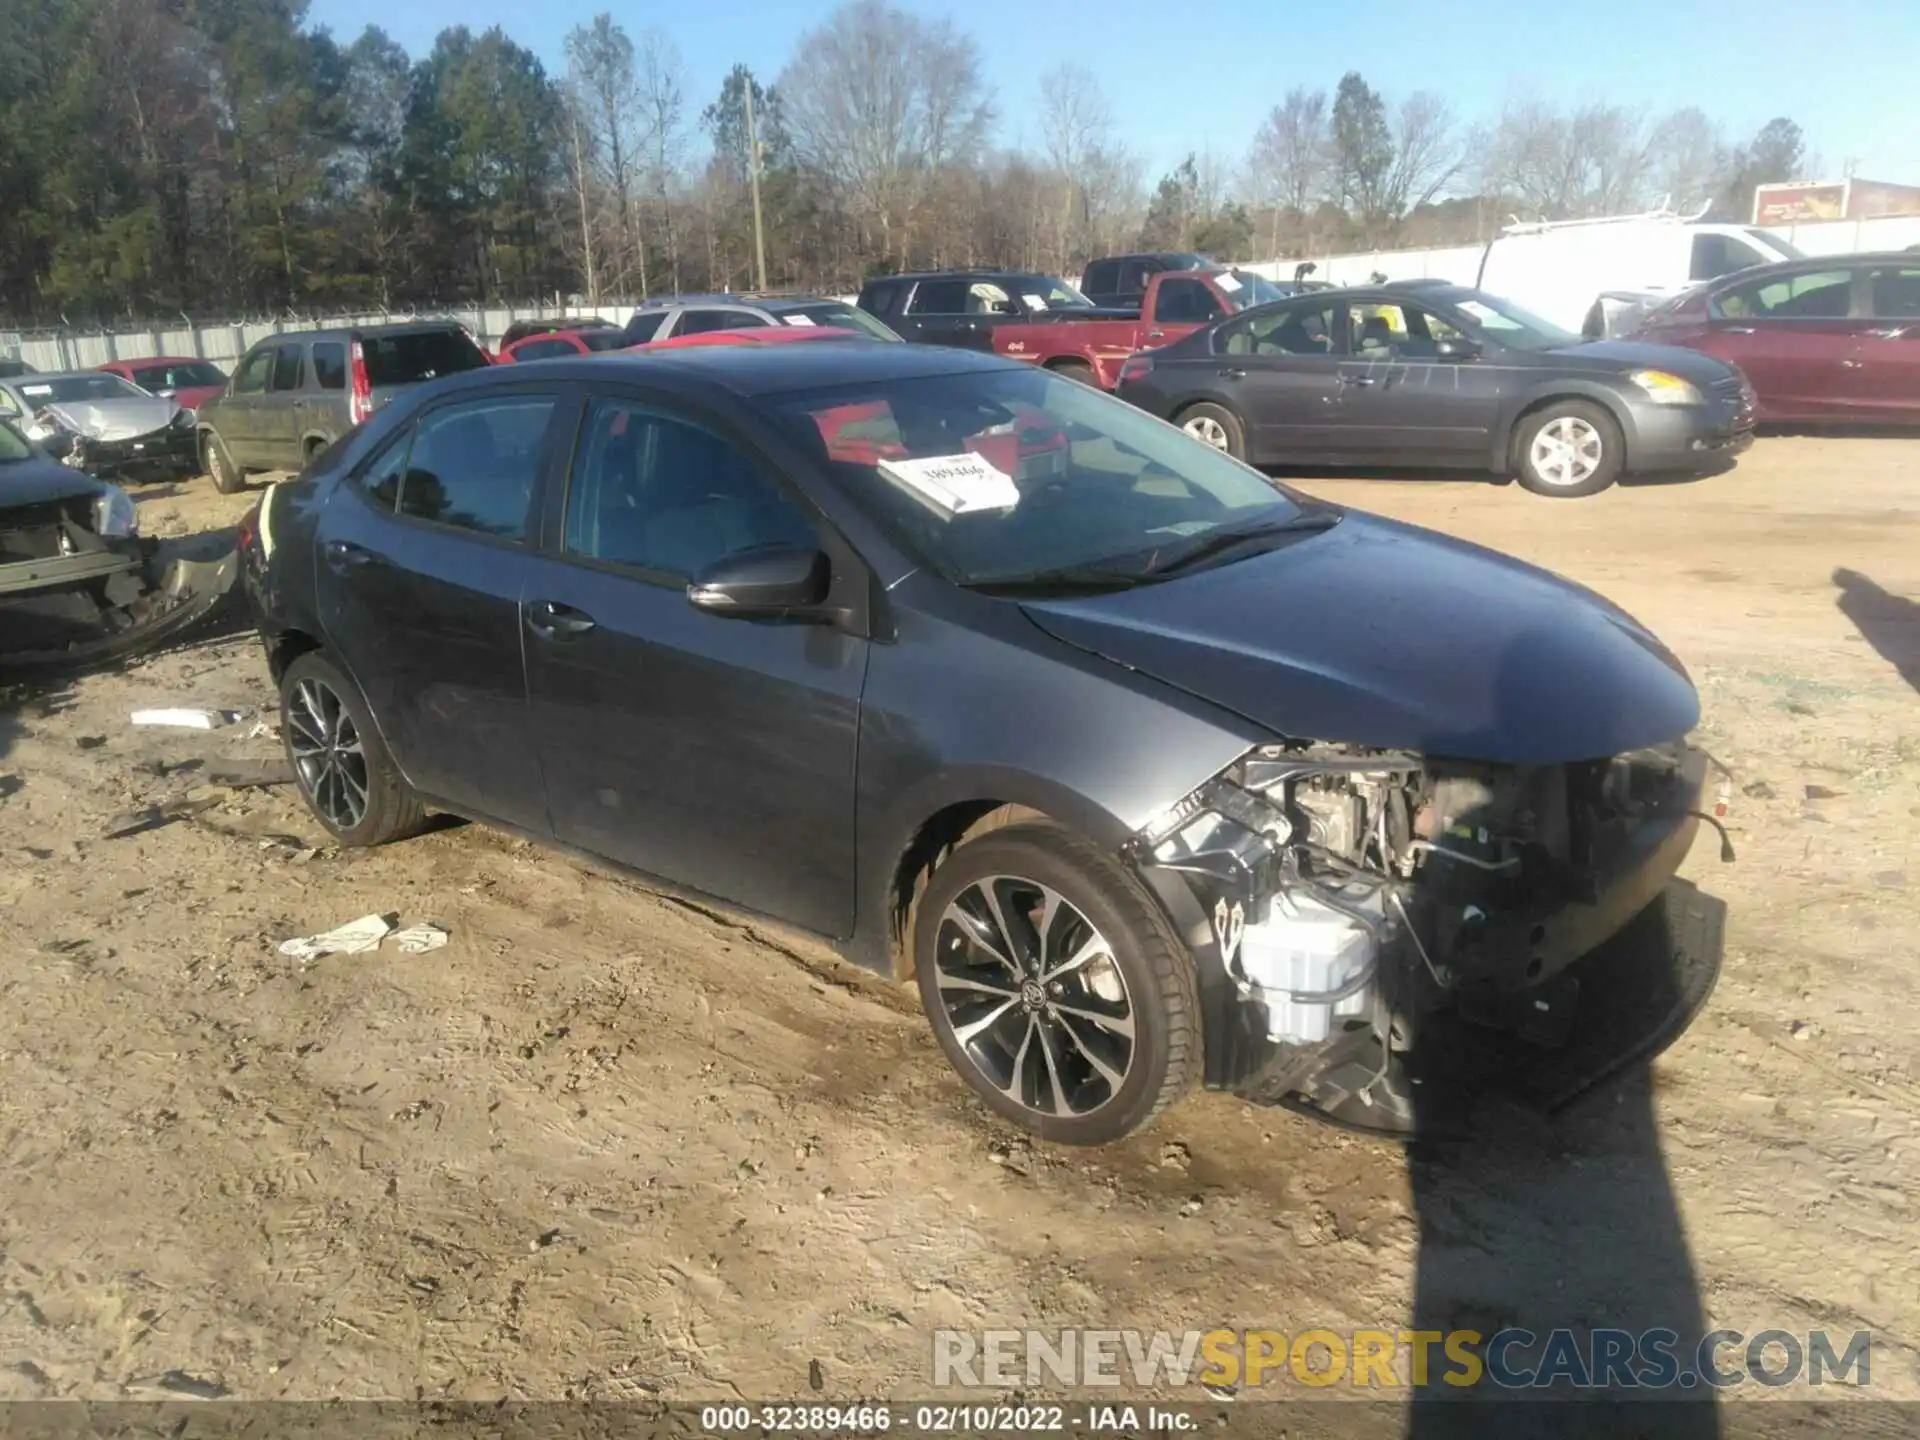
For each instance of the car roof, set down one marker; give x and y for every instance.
(749, 370)
(145, 360)
(347, 332)
(1815, 262)
(982, 272)
(38, 376)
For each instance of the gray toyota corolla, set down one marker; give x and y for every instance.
(1148, 770)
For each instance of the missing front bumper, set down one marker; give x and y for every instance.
(1619, 1005)
(127, 604)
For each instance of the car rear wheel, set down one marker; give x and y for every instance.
(342, 769)
(1055, 986)
(1568, 448)
(1216, 426)
(228, 478)
(1077, 370)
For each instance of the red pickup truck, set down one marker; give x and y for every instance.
(1177, 303)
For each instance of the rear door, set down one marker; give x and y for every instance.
(1401, 401)
(423, 560)
(276, 426)
(1886, 358)
(1280, 369)
(1177, 305)
(715, 753)
(1794, 335)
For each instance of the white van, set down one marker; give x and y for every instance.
(1593, 276)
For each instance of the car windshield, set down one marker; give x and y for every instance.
(1505, 323)
(1043, 292)
(1775, 241)
(13, 445)
(181, 376)
(839, 316)
(69, 389)
(415, 355)
(1008, 477)
(1250, 289)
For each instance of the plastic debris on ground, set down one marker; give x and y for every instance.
(187, 719)
(418, 939)
(354, 938)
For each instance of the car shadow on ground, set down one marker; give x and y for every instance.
(1888, 622)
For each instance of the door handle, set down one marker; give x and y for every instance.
(551, 620)
(1156, 334)
(1737, 330)
(1230, 372)
(1893, 332)
(345, 555)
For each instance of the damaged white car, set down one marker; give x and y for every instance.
(103, 425)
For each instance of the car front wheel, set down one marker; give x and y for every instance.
(1055, 986)
(1216, 426)
(1568, 448)
(340, 764)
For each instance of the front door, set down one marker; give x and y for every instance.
(1280, 370)
(1793, 335)
(951, 312)
(1402, 402)
(276, 426)
(1886, 359)
(236, 417)
(715, 753)
(423, 558)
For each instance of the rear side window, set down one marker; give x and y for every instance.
(418, 355)
(644, 325)
(288, 363)
(1895, 293)
(1186, 302)
(699, 322)
(474, 465)
(1303, 330)
(252, 375)
(330, 365)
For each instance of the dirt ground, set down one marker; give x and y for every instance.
(607, 1145)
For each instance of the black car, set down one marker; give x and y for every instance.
(962, 307)
(998, 683)
(293, 395)
(1120, 281)
(1439, 375)
(78, 582)
(521, 329)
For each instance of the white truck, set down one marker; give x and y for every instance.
(1595, 276)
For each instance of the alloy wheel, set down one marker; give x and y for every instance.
(1208, 431)
(327, 753)
(1566, 451)
(1035, 997)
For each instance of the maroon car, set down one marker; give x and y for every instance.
(1828, 339)
(188, 383)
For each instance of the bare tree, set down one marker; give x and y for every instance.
(605, 98)
(1593, 160)
(1075, 124)
(663, 113)
(1425, 154)
(878, 102)
(1288, 165)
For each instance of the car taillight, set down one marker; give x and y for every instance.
(360, 406)
(1134, 367)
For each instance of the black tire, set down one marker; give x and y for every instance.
(1066, 1091)
(1586, 425)
(1076, 370)
(228, 478)
(1207, 421)
(390, 810)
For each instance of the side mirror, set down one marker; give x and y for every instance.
(1458, 349)
(769, 582)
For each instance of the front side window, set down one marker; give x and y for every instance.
(1717, 255)
(381, 479)
(939, 297)
(1297, 330)
(701, 322)
(1811, 295)
(474, 465)
(252, 374)
(288, 362)
(1059, 476)
(663, 495)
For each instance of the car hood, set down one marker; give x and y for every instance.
(1619, 356)
(1380, 634)
(114, 419)
(40, 480)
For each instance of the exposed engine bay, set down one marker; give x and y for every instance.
(1356, 894)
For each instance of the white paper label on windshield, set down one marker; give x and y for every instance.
(799, 320)
(1226, 283)
(1034, 302)
(952, 485)
(36, 389)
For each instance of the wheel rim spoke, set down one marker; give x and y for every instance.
(328, 757)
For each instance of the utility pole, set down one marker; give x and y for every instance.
(753, 181)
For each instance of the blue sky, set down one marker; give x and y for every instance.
(1205, 77)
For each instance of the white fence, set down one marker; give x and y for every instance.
(1461, 263)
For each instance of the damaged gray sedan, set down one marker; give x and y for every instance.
(103, 425)
(78, 583)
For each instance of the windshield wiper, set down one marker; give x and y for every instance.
(1067, 580)
(1219, 541)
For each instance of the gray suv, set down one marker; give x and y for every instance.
(291, 396)
(668, 316)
